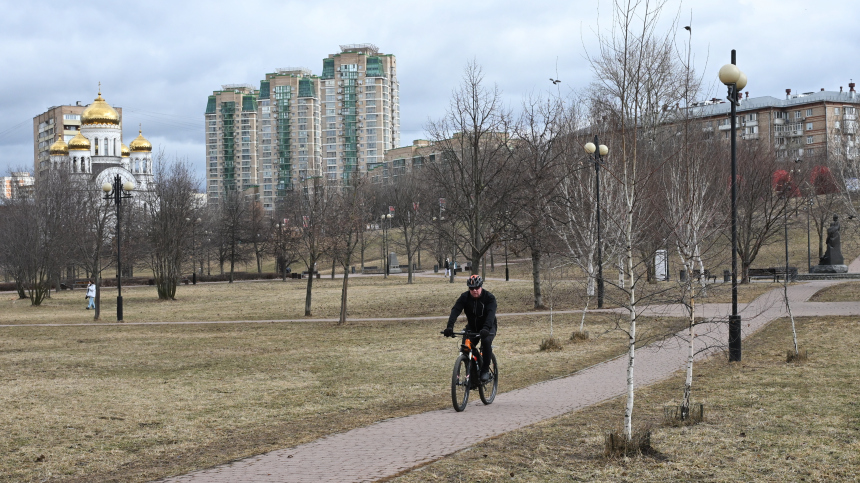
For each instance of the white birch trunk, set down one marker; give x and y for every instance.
(688, 381)
(631, 341)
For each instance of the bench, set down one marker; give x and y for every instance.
(708, 275)
(697, 274)
(80, 284)
(773, 273)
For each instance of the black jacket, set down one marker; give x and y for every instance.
(480, 312)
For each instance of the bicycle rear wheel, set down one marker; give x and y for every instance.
(460, 383)
(488, 390)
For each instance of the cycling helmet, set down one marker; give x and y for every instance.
(475, 281)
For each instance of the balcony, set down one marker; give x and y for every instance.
(778, 121)
(849, 117)
(751, 136)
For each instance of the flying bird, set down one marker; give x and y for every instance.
(554, 81)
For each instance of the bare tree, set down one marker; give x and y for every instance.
(91, 230)
(540, 149)
(259, 232)
(350, 219)
(476, 172)
(35, 237)
(636, 74)
(760, 205)
(169, 206)
(414, 208)
(233, 227)
(313, 207)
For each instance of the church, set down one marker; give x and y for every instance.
(96, 154)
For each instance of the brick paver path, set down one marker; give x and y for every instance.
(393, 446)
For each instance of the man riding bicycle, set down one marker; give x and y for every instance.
(480, 308)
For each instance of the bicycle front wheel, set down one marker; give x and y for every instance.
(460, 383)
(488, 390)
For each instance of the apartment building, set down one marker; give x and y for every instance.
(231, 140)
(290, 147)
(399, 161)
(20, 184)
(800, 126)
(361, 109)
(298, 125)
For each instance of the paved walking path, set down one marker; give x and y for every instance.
(393, 446)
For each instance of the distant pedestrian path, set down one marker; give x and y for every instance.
(393, 446)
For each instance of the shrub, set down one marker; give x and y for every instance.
(551, 344)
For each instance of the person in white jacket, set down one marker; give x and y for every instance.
(91, 295)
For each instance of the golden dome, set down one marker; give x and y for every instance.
(60, 146)
(99, 112)
(79, 143)
(140, 143)
(125, 151)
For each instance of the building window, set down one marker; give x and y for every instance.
(836, 111)
(797, 114)
(752, 117)
(808, 139)
(809, 126)
(808, 112)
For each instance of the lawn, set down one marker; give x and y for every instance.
(138, 402)
(765, 420)
(370, 297)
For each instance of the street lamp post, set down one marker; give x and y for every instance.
(507, 273)
(808, 238)
(598, 150)
(194, 250)
(383, 219)
(735, 80)
(116, 193)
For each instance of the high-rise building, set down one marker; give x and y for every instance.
(231, 139)
(361, 109)
(289, 146)
(299, 125)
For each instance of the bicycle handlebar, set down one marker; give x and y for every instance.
(476, 334)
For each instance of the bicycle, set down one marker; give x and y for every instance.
(466, 375)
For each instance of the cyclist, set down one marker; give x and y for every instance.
(480, 308)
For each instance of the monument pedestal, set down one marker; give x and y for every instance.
(829, 269)
(393, 264)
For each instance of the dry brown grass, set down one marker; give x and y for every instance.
(765, 421)
(370, 297)
(138, 402)
(843, 292)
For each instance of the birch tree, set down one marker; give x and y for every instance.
(635, 75)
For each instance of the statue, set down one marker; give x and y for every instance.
(833, 255)
(832, 261)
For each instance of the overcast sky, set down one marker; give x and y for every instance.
(159, 60)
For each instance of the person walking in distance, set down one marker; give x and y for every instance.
(91, 295)
(480, 308)
(447, 267)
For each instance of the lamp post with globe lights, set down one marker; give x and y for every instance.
(598, 150)
(116, 192)
(735, 80)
